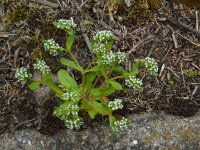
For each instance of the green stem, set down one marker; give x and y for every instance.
(117, 77)
(73, 57)
(90, 64)
(76, 61)
(95, 83)
(83, 85)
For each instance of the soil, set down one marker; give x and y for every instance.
(140, 31)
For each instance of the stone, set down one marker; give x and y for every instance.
(147, 132)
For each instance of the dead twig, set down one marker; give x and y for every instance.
(197, 20)
(161, 70)
(84, 3)
(198, 45)
(167, 53)
(179, 24)
(195, 66)
(87, 40)
(195, 90)
(47, 3)
(173, 72)
(181, 65)
(174, 40)
(139, 43)
(16, 56)
(104, 24)
(183, 26)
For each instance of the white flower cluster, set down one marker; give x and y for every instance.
(151, 65)
(69, 96)
(134, 82)
(99, 48)
(52, 47)
(120, 57)
(101, 39)
(64, 112)
(108, 58)
(73, 123)
(103, 36)
(120, 125)
(69, 114)
(41, 66)
(65, 24)
(22, 75)
(72, 109)
(116, 104)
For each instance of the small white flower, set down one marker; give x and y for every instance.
(73, 123)
(135, 142)
(22, 75)
(151, 65)
(116, 104)
(120, 125)
(134, 82)
(52, 47)
(72, 109)
(120, 57)
(69, 114)
(69, 96)
(102, 36)
(99, 48)
(65, 24)
(109, 58)
(41, 66)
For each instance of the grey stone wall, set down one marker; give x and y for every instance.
(147, 132)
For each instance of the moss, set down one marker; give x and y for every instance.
(171, 82)
(32, 22)
(137, 13)
(191, 73)
(141, 11)
(154, 4)
(192, 4)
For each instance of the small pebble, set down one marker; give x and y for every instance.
(135, 142)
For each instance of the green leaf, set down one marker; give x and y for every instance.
(116, 85)
(135, 68)
(34, 85)
(54, 87)
(101, 108)
(69, 63)
(95, 107)
(66, 80)
(103, 70)
(88, 107)
(95, 92)
(89, 78)
(47, 77)
(70, 40)
(92, 114)
(119, 69)
(111, 120)
(107, 90)
(93, 69)
(50, 83)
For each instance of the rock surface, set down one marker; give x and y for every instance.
(147, 132)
